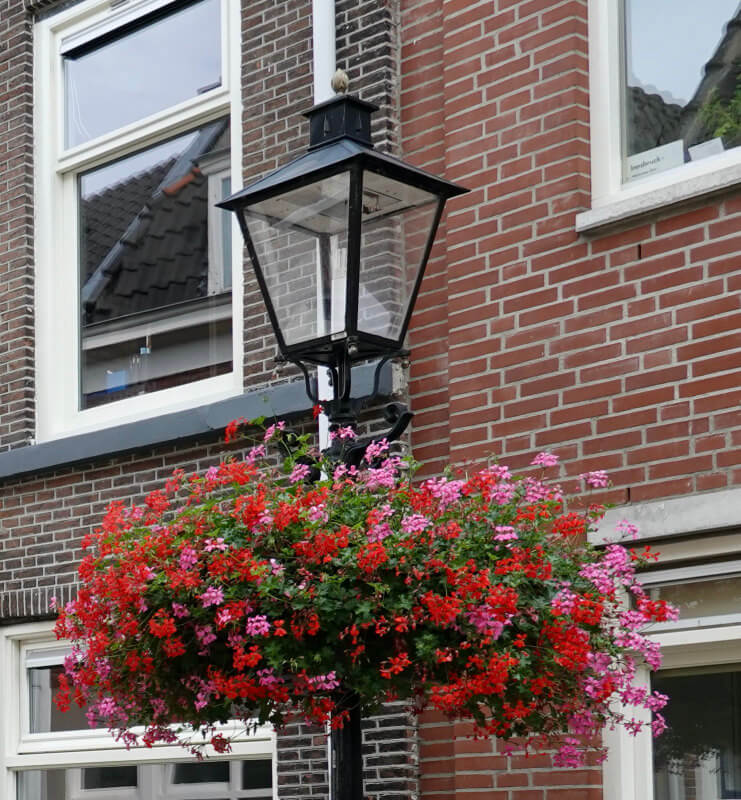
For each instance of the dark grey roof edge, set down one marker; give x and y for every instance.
(283, 402)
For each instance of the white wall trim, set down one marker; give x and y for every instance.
(697, 513)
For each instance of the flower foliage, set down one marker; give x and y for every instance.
(247, 592)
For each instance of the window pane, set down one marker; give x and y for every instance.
(151, 316)
(257, 774)
(167, 59)
(203, 772)
(300, 238)
(108, 777)
(45, 716)
(682, 89)
(396, 223)
(699, 755)
(186, 781)
(702, 598)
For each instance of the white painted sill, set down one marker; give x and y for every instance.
(644, 199)
(677, 516)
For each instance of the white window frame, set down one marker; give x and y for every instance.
(57, 292)
(21, 750)
(679, 526)
(613, 200)
(628, 772)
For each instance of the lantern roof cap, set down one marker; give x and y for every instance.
(329, 153)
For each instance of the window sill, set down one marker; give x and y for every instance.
(657, 197)
(284, 401)
(678, 516)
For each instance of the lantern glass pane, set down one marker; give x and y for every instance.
(396, 224)
(300, 240)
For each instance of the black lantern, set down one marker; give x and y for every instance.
(339, 239)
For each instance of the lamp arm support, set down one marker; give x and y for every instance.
(312, 395)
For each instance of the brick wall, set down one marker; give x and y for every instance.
(16, 227)
(453, 765)
(619, 350)
(43, 517)
(390, 763)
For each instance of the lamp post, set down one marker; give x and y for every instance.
(339, 239)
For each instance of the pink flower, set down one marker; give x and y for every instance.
(626, 528)
(375, 449)
(325, 682)
(276, 567)
(445, 491)
(223, 616)
(415, 523)
(257, 625)
(342, 471)
(299, 473)
(377, 533)
(318, 513)
(205, 636)
(273, 429)
(180, 610)
(545, 460)
(597, 479)
(188, 557)
(212, 597)
(658, 725)
(215, 544)
(346, 433)
(502, 493)
(504, 533)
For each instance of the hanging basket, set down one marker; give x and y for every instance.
(248, 593)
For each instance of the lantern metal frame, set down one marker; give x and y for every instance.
(340, 143)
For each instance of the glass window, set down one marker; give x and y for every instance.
(134, 259)
(249, 779)
(682, 83)
(202, 772)
(44, 716)
(168, 58)
(150, 317)
(708, 597)
(698, 757)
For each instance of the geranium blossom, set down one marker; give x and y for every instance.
(213, 596)
(597, 479)
(245, 590)
(545, 460)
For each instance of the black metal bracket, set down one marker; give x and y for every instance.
(351, 452)
(343, 410)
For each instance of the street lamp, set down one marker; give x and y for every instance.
(339, 239)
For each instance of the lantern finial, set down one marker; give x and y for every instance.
(340, 82)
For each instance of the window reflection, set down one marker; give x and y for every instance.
(698, 757)
(45, 717)
(682, 82)
(168, 58)
(156, 307)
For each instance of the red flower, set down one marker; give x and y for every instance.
(372, 556)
